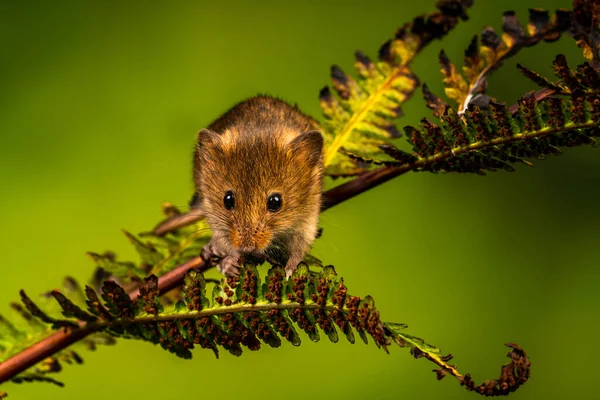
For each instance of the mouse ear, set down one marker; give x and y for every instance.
(206, 139)
(309, 145)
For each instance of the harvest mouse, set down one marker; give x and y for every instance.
(258, 172)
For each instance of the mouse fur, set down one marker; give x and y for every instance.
(261, 148)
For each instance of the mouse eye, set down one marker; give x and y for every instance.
(229, 200)
(274, 202)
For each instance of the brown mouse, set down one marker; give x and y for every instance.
(258, 172)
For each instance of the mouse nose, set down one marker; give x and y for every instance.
(250, 240)
(244, 241)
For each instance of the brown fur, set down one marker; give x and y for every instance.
(260, 147)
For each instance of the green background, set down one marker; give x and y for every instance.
(99, 106)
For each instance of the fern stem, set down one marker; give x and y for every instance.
(540, 95)
(209, 312)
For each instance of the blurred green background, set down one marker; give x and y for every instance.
(99, 108)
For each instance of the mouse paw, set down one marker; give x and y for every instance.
(209, 251)
(229, 266)
(290, 267)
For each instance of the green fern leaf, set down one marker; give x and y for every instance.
(149, 255)
(41, 315)
(488, 140)
(245, 312)
(125, 271)
(26, 328)
(9, 334)
(158, 254)
(362, 117)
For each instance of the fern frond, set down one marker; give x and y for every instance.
(361, 117)
(584, 78)
(244, 312)
(512, 375)
(489, 137)
(76, 307)
(30, 325)
(158, 254)
(481, 60)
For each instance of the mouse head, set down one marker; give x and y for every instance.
(258, 188)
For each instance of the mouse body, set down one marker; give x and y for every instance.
(258, 174)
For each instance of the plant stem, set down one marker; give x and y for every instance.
(540, 95)
(209, 312)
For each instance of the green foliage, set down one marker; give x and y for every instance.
(484, 135)
(491, 138)
(479, 135)
(30, 324)
(38, 319)
(158, 254)
(363, 115)
(243, 311)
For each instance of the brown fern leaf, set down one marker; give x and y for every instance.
(584, 78)
(586, 27)
(512, 375)
(485, 55)
(434, 102)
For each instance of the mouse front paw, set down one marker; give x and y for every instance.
(290, 267)
(209, 251)
(229, 266)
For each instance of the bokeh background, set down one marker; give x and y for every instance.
(99, 106)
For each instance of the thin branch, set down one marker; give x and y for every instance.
(178, 221)
(540, 95)
(173, 278)
(40, 350)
